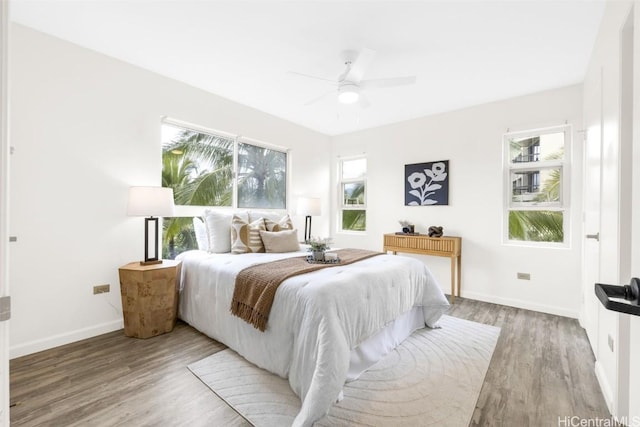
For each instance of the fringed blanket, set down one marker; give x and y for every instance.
(256, 286)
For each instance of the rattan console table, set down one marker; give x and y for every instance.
(445, 246)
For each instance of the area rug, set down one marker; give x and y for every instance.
(432, 379)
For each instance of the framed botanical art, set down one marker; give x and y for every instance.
(426, 184)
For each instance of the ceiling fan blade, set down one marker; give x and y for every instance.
(394, 81)
(359, 66)
(319, 98)
(363, 101)
(295, 73)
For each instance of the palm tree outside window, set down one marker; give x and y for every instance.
(199, 166)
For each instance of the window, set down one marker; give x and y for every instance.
(353, 211)
(536, 185)
(262, 177)
(199, 166)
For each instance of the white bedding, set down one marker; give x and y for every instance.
(316, 318)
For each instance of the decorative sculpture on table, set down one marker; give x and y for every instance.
(407, 228)
(435, 231)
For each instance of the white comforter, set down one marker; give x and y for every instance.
(316, 318)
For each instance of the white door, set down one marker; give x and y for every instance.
(634, 371)
(4, 238)
(634, 327)
(629, 326)
(591, 218)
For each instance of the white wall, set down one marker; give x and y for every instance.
(471, 139)
(85, 127)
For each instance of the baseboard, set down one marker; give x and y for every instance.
(581, 319)
(604, 386)
(62, 339)
(558, 311)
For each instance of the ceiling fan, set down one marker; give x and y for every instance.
(350, 83)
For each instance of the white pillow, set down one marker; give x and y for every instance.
(201, 234)
(271, 215)
(218, 225)
(280, 241)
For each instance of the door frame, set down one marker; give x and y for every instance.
(4, 207)
(634, 327)
(626, 174)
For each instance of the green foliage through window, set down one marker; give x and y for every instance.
(353, 189)
(262, 177)
(535, 202)
(354, 220)
(536, 226)
(199, 167)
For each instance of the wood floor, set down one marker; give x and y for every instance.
(542, 369)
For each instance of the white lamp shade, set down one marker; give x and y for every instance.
(309, 206)
(150, 201)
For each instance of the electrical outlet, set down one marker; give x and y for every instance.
(610, 342)
(101, 289)
(524, 276)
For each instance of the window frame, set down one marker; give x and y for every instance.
(196, 210)
(342, 206)
(564, 167)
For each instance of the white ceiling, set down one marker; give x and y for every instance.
(463, 52)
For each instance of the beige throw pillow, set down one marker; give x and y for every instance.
(245, 236)
(283, 224)
(280, 241)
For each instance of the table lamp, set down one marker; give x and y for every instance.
(151, 202)
(308, 206)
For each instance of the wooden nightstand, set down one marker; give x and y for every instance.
(149, 297)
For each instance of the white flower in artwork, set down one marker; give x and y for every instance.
(417, 179)
(421, 189)
(437, 172)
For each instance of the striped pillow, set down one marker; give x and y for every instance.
(284, 224)
(245, 236)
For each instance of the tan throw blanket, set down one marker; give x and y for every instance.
(256, 285)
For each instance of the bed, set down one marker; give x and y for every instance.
(325, 327)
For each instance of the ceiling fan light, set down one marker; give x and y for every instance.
(348, 94)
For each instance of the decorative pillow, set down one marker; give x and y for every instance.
(281, 225)
(201, 233)
(245, 236)
(280, 241)
(218, 224)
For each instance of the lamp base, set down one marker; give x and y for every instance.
(152, 262)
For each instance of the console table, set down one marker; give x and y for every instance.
(445, 246)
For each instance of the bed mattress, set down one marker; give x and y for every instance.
(318, 322)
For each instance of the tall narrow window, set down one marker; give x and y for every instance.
(536, 185)
(353, 212)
